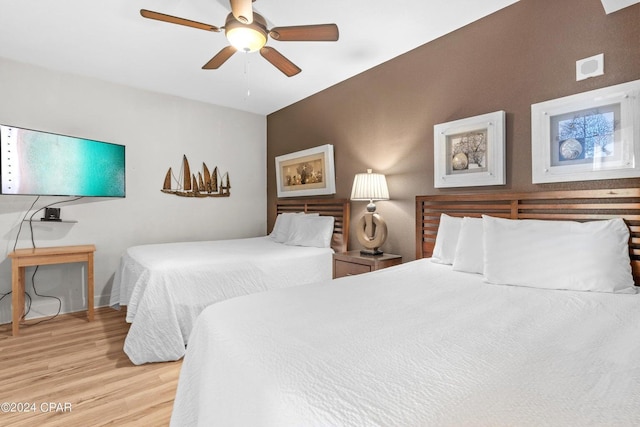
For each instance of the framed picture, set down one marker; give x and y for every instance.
(588, 136)
(308, 172)
(470, 152)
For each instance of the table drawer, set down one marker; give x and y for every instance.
(343, 268)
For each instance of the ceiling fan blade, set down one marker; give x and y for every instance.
(242, 10)
(175, 20)
(279, 61)
(220, 58)
(321, 32)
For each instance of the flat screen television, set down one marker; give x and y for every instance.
(41, 163)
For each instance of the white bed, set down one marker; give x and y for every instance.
(424, 344)
(416, 344)
(166, 286)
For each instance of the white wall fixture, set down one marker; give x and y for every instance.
(590, 67)
(611, 6)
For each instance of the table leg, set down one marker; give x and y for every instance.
(17, 297)
(90, 286)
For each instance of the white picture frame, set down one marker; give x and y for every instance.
(470, 152)
(309, 172)
(592, 135)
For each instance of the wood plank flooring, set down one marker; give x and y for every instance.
(71, 372)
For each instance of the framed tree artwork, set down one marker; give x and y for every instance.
(588, 136)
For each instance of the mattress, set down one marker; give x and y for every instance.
(416, 344)
(166, 286)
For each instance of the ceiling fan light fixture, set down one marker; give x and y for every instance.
(246, 39)
(252, 36)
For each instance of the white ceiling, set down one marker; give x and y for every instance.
(109, 40)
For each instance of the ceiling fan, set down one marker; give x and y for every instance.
(247, 31)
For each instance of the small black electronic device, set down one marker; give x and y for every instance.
(51, 214)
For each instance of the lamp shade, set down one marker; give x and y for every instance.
(369, 186)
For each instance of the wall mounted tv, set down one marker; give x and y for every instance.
(46, 164)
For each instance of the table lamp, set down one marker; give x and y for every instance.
(371, 230)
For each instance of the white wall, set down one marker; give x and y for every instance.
(156, 130)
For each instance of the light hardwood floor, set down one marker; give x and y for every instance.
(71, 372)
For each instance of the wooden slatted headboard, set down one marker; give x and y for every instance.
(338, 208)
(576, 205)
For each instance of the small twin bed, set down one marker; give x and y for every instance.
(498, 322)
(166, 286)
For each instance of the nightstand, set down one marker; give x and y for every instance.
(350, 263)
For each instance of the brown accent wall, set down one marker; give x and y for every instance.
(383, 118)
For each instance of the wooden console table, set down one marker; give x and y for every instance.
(22, 258)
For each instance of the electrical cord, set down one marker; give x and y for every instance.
(4, 295)
(35, 291)
(22, 222)
(15, 243)
(33, 244)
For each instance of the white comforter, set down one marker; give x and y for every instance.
(414, 345)
(166, 286)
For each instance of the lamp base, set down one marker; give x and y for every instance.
(371, 232)
(371, 252)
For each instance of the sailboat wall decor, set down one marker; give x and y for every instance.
(205, 184)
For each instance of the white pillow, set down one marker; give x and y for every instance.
(444, 250)
(590, 256)
(469, 255)
(281, 227)
(310, 230)
(283, 223)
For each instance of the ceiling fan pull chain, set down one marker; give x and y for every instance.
(246, 72)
